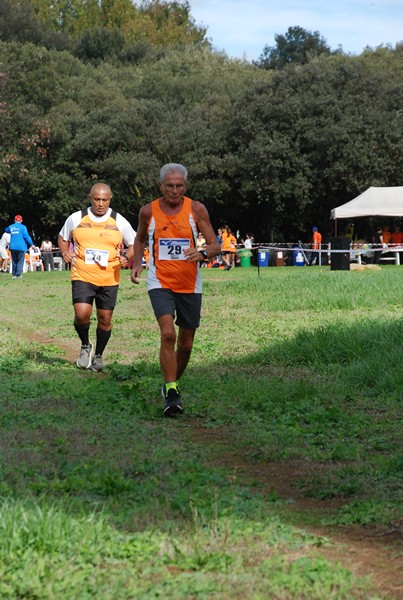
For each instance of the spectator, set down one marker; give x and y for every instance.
(397, 236)
(316, 241)
(146, 257)
(228, 248)
(4, 255)
(248, 241)
(219, 240)
(397, 239)
(20, 240)
(47, 254)
(201, 245)
(200, 242)
(379, 244)
(35, 259)
(386, 234)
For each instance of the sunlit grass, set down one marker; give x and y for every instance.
(105, 498)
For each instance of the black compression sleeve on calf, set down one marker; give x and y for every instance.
(102, 339)
(82, 331)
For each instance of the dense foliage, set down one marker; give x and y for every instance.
(269, 149)
(297, 46)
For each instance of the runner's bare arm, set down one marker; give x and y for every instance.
(64, 248)
(140, 242)
(204, 226)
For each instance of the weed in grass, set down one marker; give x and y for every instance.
(308, 577)
(364, 512)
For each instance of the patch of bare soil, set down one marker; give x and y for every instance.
(70, 348)
(368, 552)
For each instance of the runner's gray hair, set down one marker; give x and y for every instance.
(173, 168)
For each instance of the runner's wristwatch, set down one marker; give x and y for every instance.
(204, 254)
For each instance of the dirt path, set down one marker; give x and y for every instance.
(366, 551)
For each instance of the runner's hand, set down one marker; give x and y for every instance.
(135, 274)
(192, 254)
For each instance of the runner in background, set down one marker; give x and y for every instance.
(96, 261)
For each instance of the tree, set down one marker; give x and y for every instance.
(297, 46)
(314, 136)
(19, 23)
(99, 45)
(172, 24)
(158, 22)
(266, 150)
(70, 17)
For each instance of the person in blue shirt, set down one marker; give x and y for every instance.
(20, 241)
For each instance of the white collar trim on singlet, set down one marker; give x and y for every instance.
(97, 219)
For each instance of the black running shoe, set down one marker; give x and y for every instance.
(173, 404)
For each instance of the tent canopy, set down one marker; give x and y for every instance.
(375, 201)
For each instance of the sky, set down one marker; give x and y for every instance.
(242, 28)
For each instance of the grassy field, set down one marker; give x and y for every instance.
(292, 422)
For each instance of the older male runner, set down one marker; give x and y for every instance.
(97, 233)
(170, 225)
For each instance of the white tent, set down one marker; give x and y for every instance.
(375, 201)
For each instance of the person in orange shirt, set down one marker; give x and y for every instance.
(397, 239)
(146, 257)
(228, 248)
(170, 225)
(96, 261)
(316, 241)
(386, 234)
(397, 236)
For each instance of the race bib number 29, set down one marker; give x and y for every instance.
(172, 249)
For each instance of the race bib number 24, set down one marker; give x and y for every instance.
(172, 249)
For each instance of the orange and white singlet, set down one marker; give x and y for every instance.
(96, 246)
(168, 236)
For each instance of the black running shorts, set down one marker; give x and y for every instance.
(104, 296)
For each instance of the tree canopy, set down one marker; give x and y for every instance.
(160, 22)
(296, 47)
(268, 150)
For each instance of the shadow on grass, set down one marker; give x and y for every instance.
(92, 440)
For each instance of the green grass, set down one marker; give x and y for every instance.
(102, 497)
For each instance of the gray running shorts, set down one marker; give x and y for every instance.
(186, 307)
